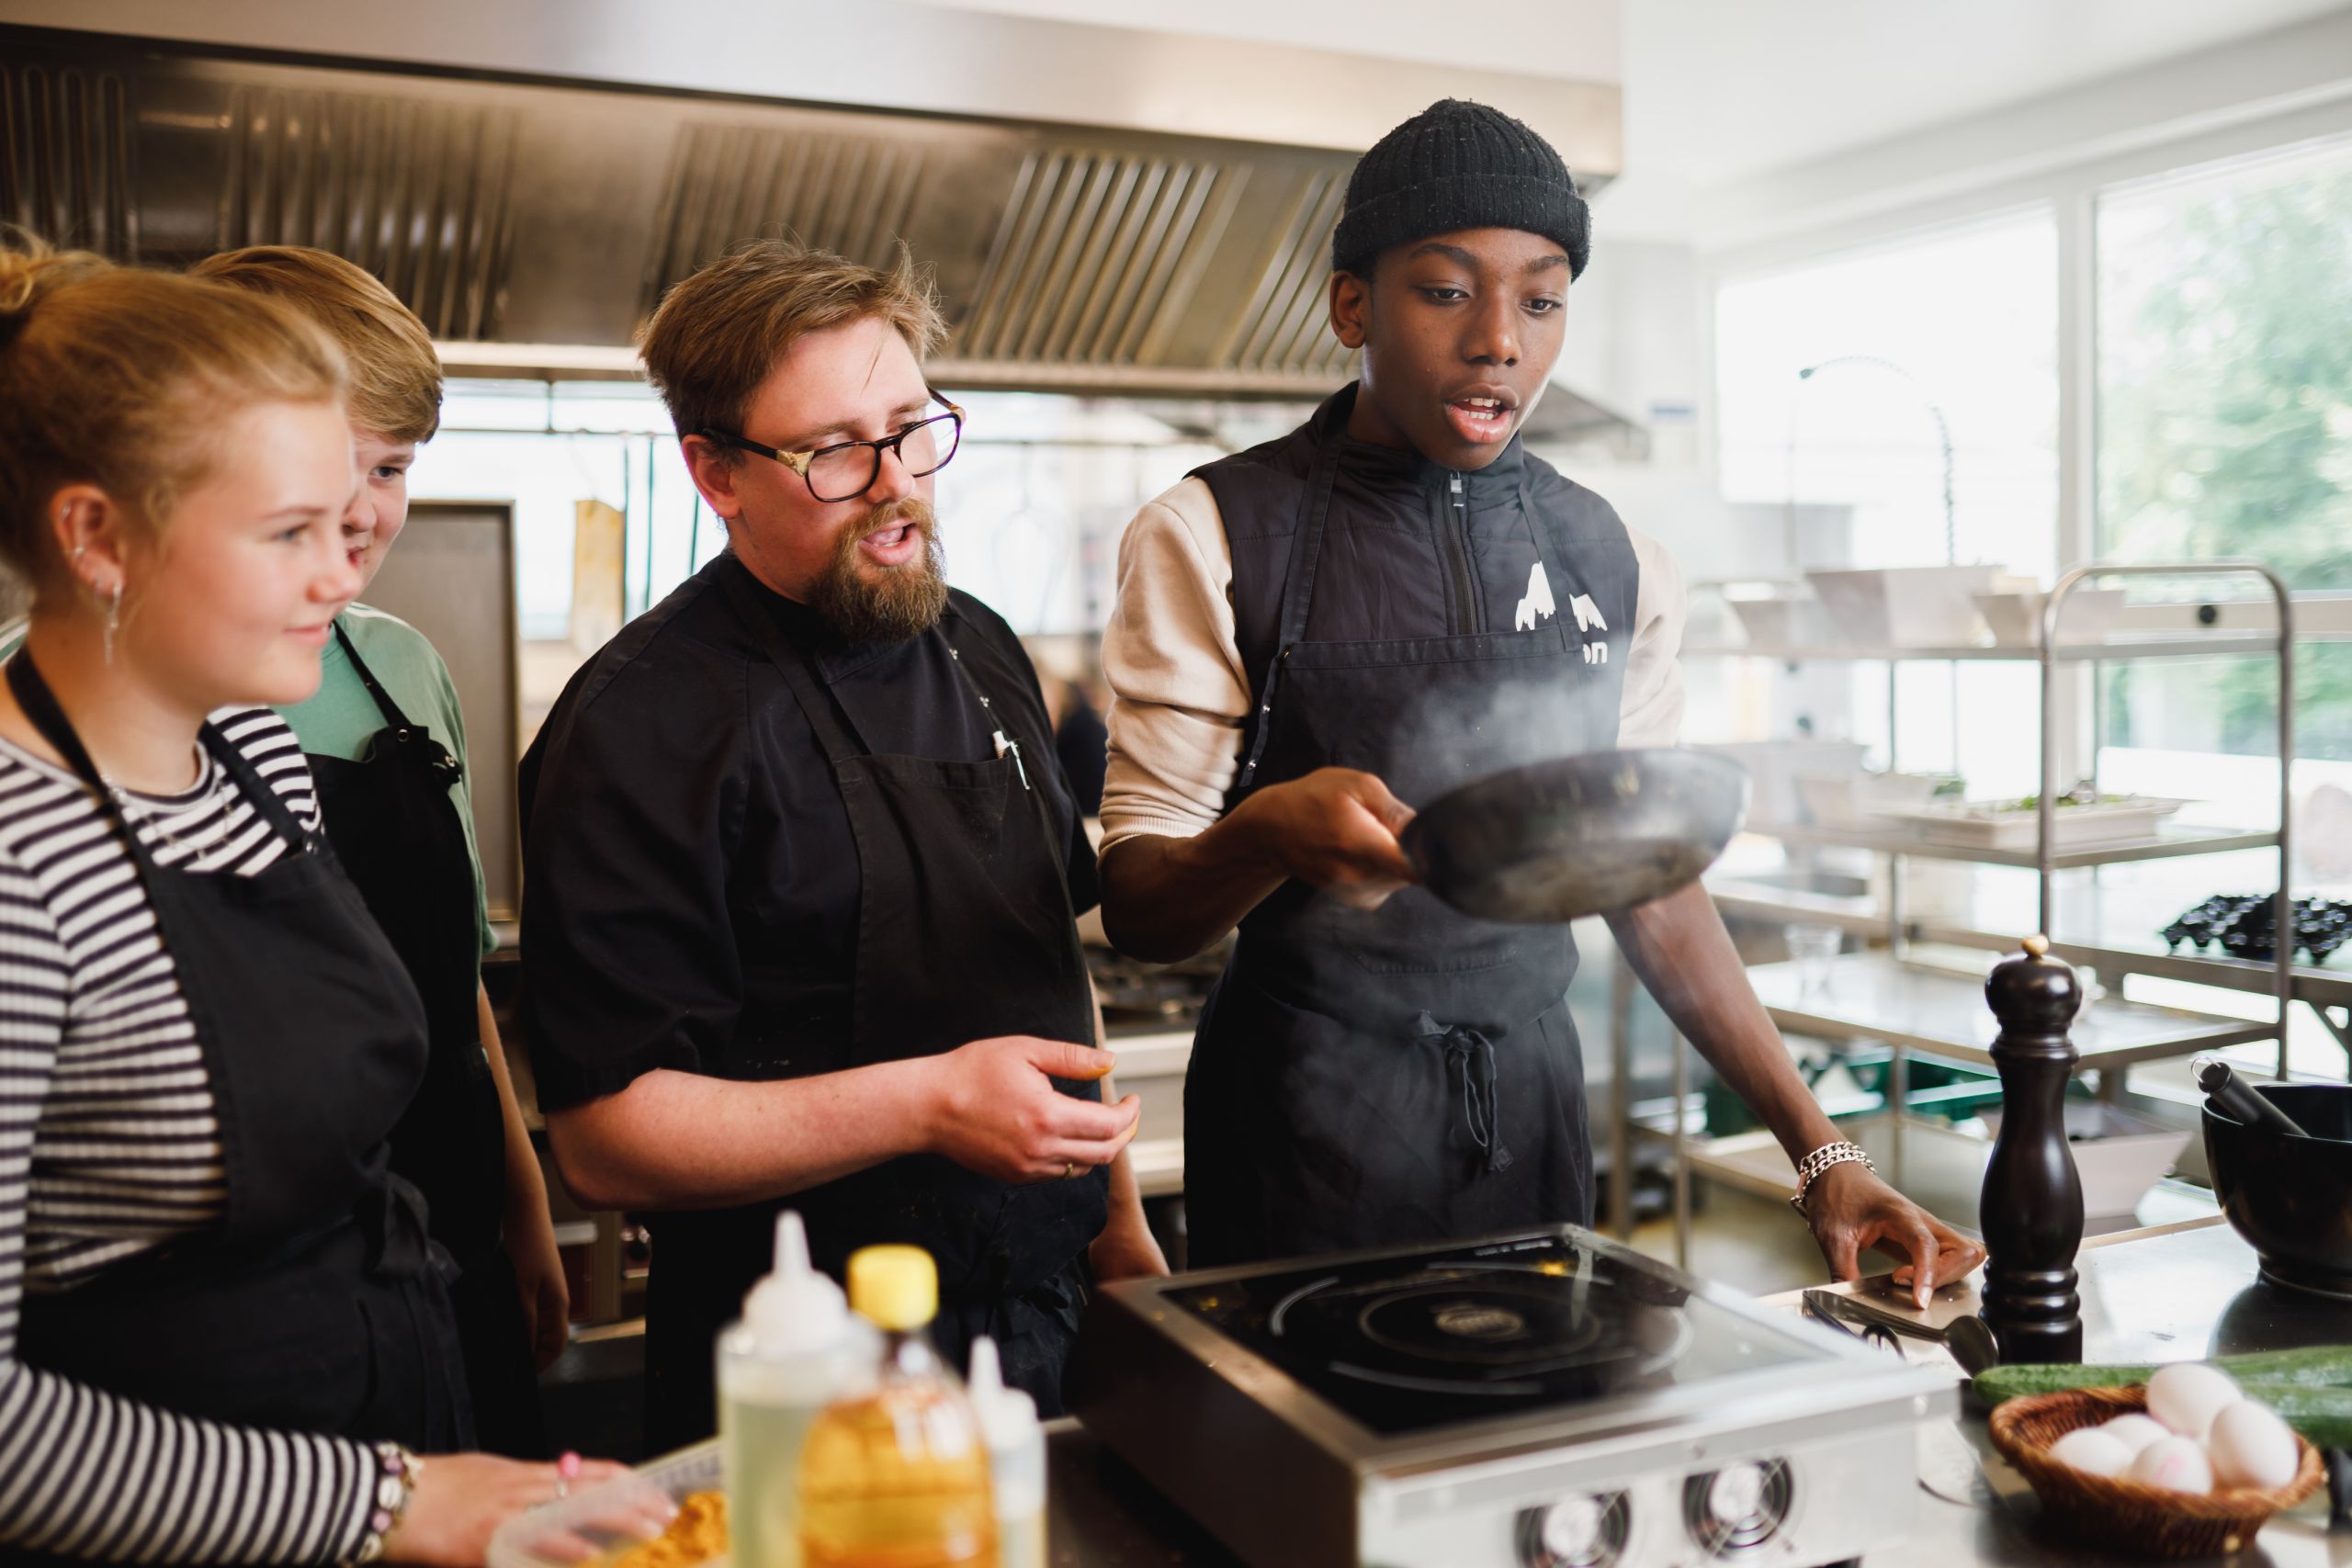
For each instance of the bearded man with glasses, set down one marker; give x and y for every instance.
(802, 873)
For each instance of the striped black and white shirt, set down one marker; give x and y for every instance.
(109, 1148)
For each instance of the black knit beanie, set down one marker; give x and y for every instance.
(1459, 165)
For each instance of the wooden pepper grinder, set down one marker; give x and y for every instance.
(2033, 1208)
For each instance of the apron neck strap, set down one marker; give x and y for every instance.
(1306, 546)
(1298, 594)
(1536, 531)
(265, 800)
(815, 700)
(47, 716)
(384, 704)
(1306, 555)
(33, 694)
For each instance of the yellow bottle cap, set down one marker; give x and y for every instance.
(894, 1287)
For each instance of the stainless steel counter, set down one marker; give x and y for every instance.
(2180, 1292)
(1100, 1514)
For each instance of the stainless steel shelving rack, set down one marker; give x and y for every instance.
(1896, 998)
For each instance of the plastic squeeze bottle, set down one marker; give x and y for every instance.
(796, 1349)
(897, 1477)
(1016, 1459)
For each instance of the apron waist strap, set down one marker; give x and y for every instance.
(1470, 1061)
(399, 1246)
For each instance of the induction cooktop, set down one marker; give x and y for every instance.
(1540, 1400)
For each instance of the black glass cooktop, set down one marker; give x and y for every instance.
(1406, 1344)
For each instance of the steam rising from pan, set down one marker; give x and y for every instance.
(1576, 836)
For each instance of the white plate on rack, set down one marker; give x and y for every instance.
(1990, 825)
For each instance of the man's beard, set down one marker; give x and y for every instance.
(867, 603)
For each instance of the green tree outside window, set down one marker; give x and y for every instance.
(2225, 426)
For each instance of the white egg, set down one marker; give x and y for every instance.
(2135, 1431)
(2187, 1396)
(2177, 1464)
(2251, 1447)
(2089, 1449)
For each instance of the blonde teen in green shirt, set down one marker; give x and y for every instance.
(385, 740)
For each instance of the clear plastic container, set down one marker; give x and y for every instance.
(796, 1349)
(595, 1523)
(1017, 1459)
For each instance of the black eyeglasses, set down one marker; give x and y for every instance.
(848, 468)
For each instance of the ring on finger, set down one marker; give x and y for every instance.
(1069, 1170)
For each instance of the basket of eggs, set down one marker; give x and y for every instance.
(2185, 1466)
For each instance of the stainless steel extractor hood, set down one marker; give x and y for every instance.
(533, 223)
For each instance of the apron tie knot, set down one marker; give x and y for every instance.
(399, 1245)
(1470, 1058)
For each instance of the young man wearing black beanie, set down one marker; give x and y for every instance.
(1312, 633)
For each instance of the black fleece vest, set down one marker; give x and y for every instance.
(1402, 560)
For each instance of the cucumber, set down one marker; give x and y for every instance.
(1998, 1385)
(2322, 1415)
(2324, 1366)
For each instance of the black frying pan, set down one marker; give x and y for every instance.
(1577, 836)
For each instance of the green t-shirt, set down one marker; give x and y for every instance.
(338, 720)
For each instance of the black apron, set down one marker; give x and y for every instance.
(318, 1301)
(1374, 1079)
(395, 827)
(965, 933)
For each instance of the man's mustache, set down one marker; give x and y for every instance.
(894, 514)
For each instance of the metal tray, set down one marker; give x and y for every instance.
(1976, 827)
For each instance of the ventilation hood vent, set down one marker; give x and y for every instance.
(512, 216)
(416, 191)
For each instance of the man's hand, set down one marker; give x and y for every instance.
(1165, 898)
(1849, 1209)
(995, 1110)
(1335, 829)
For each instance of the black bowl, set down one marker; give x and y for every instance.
(2292, 1197)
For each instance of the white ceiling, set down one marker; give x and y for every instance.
(1578, 39)
(1717, 91)
(1721, 88)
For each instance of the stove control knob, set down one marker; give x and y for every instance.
(1580, 1531)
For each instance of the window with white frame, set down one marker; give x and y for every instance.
(1839, 383)
(1961, 324)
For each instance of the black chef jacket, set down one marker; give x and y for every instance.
(686, 847)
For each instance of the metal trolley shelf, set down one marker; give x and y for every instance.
(2168, 844)
(2214, 645)
(1932, 1008)
(1883, 997)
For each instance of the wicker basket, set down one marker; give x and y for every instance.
(2112, 1513)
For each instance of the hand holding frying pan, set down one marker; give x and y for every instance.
(1576, 836)
(1337, 828)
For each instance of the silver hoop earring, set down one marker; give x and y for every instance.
(114, 619)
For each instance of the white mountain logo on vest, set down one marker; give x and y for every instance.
(1587, 614)
(1539, 604)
